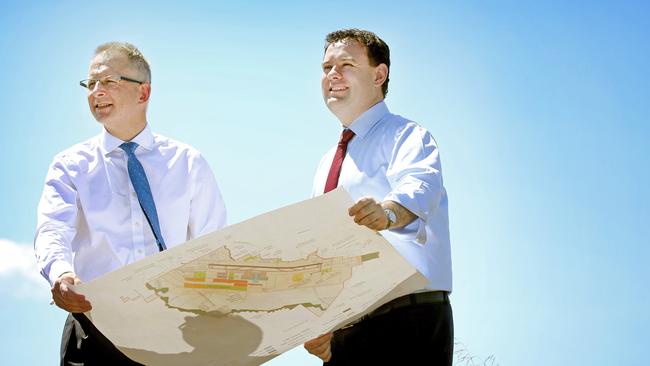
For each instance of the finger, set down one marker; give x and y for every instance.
(361, 203)
(314, 343)
(367, 210)
(325, 343)
(328, 356)
(318, 342)
(76, 309)
(370, 218)
(371, 224)
(73, 307)
(65, 298)
(355, 208)
(324, 338)
(69, 295)
(72, 304)
(321, 349)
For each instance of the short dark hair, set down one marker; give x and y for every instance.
(377, 50)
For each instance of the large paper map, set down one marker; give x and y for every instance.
(251, 291)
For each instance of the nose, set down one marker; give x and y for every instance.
(98, 90)
(333, 74)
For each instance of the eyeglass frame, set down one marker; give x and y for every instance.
(119, 78)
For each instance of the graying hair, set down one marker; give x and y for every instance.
(132, 53)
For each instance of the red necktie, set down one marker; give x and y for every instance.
(335, 169)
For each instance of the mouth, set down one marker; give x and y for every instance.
(102, 106)
(338, 89)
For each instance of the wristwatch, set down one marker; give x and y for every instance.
(391, 216)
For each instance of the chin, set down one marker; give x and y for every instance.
(100, 119)
(333, 100)
(335, 103)
(106, 121)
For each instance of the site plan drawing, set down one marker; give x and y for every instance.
(251, 291)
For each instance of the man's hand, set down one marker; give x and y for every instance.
(321, 347)
(65, 297)
(369, 213)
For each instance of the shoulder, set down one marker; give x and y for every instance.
(401, 125)
(176, 150)
(169, 145)
(398, 128)
(77, 157)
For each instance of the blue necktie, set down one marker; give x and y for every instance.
(141, 186)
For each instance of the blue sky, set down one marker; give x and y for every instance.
(540, 111)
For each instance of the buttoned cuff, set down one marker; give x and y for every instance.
(57, 269)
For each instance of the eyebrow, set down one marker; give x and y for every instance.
(100, 74)
(348, 58)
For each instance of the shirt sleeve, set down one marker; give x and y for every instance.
(207, 208)
(56, 228)
(414, 174)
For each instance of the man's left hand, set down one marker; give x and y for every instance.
(369, 213)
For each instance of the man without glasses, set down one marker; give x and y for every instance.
(391, 167)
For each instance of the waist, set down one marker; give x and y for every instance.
(420, 298)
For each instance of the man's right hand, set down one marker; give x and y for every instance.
(321, 347)
(66, 298)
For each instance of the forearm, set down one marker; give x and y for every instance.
(57, 220)
(53, 252)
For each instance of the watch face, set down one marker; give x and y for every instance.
(391, 215)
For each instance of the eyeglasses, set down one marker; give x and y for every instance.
(108, 82)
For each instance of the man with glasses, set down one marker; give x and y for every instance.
(116, 198)
(391, 168)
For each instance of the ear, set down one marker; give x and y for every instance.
(145, 93)
(381, 74)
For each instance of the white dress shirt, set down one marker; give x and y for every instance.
(89, 219)
(392, 158)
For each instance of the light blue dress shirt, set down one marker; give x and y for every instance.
(392, 158)
(89, 219)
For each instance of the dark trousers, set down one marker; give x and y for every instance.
(421, 334)
(84, 345)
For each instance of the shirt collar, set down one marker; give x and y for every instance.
(110, 142)
(365, 122)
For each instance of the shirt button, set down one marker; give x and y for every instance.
(139, 251)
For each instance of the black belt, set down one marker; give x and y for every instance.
(420, 298)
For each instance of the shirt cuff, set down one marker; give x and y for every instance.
(57, 269)
(418, 228)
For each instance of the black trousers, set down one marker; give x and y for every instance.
(84, 345)
(420, 334)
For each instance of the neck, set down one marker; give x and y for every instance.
(347, 117)
(126, 131)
